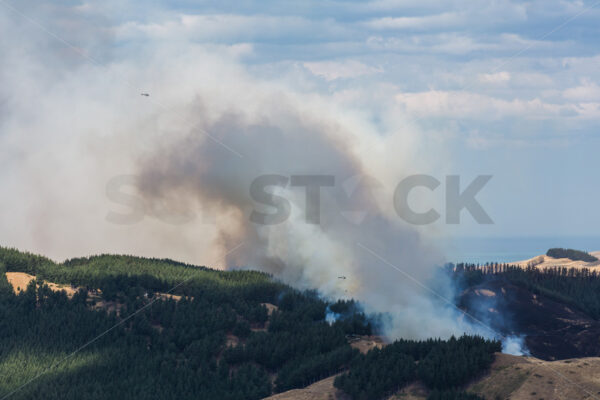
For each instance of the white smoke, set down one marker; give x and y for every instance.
(183, 160)
(514, 345)
(330, 316)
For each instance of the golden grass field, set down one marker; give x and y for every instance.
(20, 280)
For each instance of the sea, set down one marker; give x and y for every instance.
(480, 250)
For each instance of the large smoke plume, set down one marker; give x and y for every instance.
(179, 165)
(366, 257)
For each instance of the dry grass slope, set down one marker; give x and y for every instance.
(511, 377)
(366, 343)
(20, 280)
(321, 390)
(528, 378)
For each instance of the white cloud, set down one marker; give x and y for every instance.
(331, 70)
(449, 104)
(590, 110)
(495, 78)
(534, 80)
(232, 27)
(455, 43)
(444, 43)
(439, 21)
(588, 91)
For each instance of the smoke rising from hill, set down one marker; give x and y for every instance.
(340, 256)
(82, 145)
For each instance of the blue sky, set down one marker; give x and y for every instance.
(514, 84)
(507, 88)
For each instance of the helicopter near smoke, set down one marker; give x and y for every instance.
(188, 160)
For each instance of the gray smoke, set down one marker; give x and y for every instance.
(91, 166)
(384, 262)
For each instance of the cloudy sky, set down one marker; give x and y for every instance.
(495, 87)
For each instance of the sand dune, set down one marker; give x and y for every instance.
(543, 262)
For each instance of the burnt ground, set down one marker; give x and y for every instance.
(552, 330)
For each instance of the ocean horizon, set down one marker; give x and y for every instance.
(480, 250)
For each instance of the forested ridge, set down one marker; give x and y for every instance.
(576, 287)
(154, 347)
(442, 365)
(172, 349)
(575, 255)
